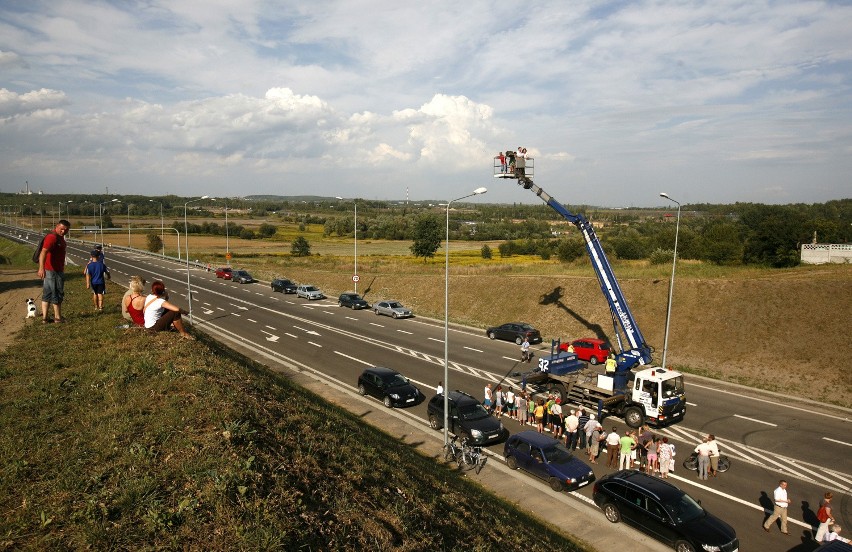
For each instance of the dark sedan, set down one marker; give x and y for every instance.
(547, 458)
(514, 331)
(391, 387)
(353, 301)
(663, 511)
(241, 277)
(281, 285)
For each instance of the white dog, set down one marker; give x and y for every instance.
(31, 308)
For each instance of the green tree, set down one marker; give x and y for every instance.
(570, 249)
(247, 234)
(485, 251)
(300, 247)
(154, 243)
(427, 236)
(722, 244)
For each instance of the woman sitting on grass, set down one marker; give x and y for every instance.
(134, 301)
(160, 315)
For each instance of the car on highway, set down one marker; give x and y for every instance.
(663, 511)
(309, 292)
(392, 308)
(241, 277)
(514, 331)
(284, 286)
(223, 272)
(467, 418)
(353, 301)
(548, 459)
(593, 351)
(389, 386)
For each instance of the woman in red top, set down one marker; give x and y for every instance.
(135, 301)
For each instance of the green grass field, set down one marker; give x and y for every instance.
(116, 439)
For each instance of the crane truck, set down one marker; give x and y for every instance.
(651, 395)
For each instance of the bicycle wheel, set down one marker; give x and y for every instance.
(724, 464)
(481, 463)
(449, 452)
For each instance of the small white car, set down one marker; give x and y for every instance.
(391, 308)
(309, 292)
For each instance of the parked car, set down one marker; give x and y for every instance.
(282, 285)
(390, 386)
(391, 308)
(223, 272)
(663, 511)
(353, 301)
(591, 350)
(514, 331)
(547, 458)
(241, 277)
(309, 292)
(467, 418)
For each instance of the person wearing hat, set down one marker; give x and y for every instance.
(97, 274)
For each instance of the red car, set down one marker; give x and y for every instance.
(224, 273)
(594, 351)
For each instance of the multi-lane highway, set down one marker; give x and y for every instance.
(767, 436)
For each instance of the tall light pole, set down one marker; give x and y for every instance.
(128, 226)
(671, 282)
(186, 244)
(355, 275)
(101, 209)
(477, 191)
(227, 235)
(163, 230)
(68, 233)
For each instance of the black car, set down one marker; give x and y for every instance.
(282, 285)
(468, 418)
(514, 331)
(663, 511)
(547, 458)
(353, 301)
(390, 386)
(241, 277)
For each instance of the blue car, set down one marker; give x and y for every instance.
(547, 458)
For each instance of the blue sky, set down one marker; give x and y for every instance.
(618, 101)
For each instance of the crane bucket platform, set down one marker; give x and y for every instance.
(517, 167)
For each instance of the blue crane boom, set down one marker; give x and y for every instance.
(637, 351)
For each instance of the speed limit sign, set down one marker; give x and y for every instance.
(356, 278)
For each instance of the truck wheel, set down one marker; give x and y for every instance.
(633, 417)
(559, 390)
(433, 422)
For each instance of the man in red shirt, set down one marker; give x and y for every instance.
(51, 269)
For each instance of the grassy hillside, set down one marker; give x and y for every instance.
(116, 439)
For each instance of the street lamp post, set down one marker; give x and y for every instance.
(163, 231)
(227, 235)
(186, 249)
(101, 210)
(477, 191)
(128, 226)
(69, 214)
(354, 278)
(671, 282)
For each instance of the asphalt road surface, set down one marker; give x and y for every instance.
(767, 436)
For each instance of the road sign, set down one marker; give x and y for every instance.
(228, 255)
(356, 278)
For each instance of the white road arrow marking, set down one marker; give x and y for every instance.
(273, 338)
(310, 332)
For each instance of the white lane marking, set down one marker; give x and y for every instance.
(315, 344)
(374, 324)
(838, 442)
(272, 338)
(208, 304)
(733, 498)
(755, 420)
(258, 293)
(307, 307)
(291, 335)
(772, 402)
(220, 308)
(290, 302)
(328, 312)
(472, 349)
(434, 339)
(510, 358)
(350, 318)
(690, 404)
(271, 328)
(364, 362)
(818, 475)
(250, 320)
(405, 332)
(238, 306)
(237, 315)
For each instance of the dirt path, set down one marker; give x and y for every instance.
(16, 286)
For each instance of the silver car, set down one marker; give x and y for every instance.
(391, 308)
(309, 292)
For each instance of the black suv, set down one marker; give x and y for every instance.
(283, 285)
(353, 301)
(468, 418)
(663, 511)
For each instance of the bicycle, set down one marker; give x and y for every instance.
(452, 451)
(473, 456)
(691, 463)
